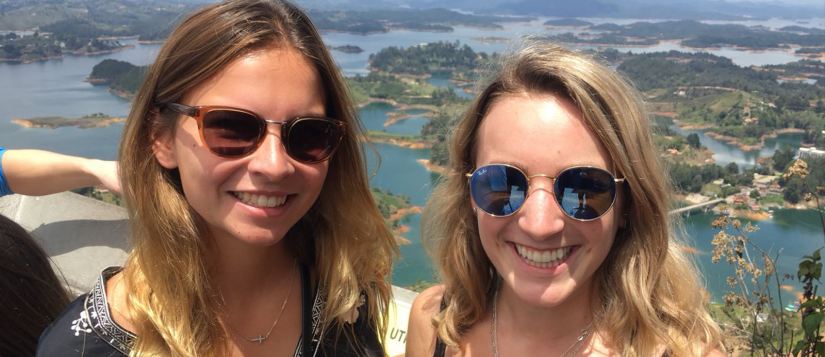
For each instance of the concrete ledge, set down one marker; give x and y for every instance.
(80, 234)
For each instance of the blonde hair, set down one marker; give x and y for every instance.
(648, 289)
(343, 236)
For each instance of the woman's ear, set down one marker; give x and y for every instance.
(163, 146)
(164, 152)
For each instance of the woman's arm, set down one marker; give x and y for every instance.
(421, 332)
(38, 172)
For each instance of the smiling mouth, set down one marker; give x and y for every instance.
(543, 258)
(262, 201)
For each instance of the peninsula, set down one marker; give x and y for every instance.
(97, 120)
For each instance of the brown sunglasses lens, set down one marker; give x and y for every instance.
(313, 139)
(230, 133)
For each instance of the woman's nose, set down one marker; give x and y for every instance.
(540, 216)
(271, 159)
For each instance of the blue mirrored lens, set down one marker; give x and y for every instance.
(585, 192)
(498, 189)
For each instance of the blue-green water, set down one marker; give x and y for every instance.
(791, 233)
(725, 153)
(56, 88)
(374, 115)
(444, 82)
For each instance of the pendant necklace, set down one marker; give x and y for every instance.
(261, 338)
(494, 332)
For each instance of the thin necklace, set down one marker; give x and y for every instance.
(494, 332)
(261, 338)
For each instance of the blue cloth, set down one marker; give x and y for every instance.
(4, 185)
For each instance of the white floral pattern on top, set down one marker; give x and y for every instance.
(81, 324)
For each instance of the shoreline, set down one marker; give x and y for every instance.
(402, 142)
(120, 93)
(734, 140)
(443, 170)
(102, 123)
(398, 216)
(63, 55)
(397, 117)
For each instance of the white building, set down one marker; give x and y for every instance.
(811, 152)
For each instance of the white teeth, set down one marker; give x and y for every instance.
(260, 200)
(543, 259)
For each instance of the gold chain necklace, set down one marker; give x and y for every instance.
(261, 338)
(494, 331)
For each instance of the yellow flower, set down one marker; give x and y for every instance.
(799, 168)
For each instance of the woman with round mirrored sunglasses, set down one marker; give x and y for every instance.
(582, 193)
(595, 280)
(233, 133)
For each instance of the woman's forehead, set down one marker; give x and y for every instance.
(539, 131)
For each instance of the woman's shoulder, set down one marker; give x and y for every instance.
(429, 301)
(421, 334)
(85, 327)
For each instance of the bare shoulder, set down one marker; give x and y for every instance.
(421, 332)
(429, 300)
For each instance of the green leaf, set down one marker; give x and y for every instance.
(811, 324)
(817, 271)
(799, 346)
(817, 256)
(820, 348)
(803, 269)
(809, 303)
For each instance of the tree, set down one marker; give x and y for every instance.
(755, 194)
(792, 192)
(782, 157)
(693, 140)
(696, 183)
(732, 168)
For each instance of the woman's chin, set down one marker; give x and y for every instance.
(544, 296)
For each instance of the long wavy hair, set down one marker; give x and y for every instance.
(648, 289)
(343, 237)
(31, 293)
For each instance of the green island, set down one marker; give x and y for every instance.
(694, 34)
(123, 78)
(347, 49)
(97, 120)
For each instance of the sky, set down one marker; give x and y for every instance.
(791, 2)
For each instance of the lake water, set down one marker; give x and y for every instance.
(56, 88)
(725, 153)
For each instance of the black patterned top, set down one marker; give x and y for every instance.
(86, 328)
